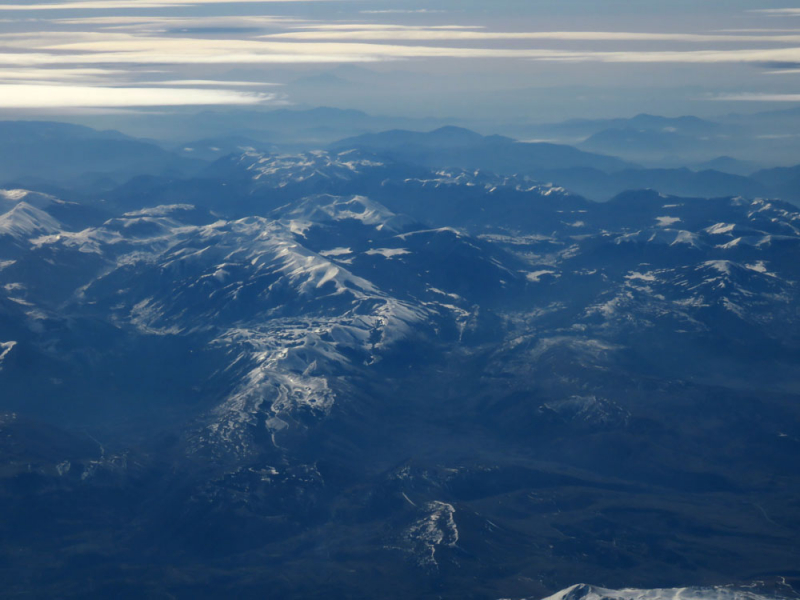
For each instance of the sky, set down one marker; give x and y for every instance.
(529, 60)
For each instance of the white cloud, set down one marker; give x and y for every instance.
(743, 56)
(754, 97)
(152, 22)
(206, 82)
(74, 96)
(129, 49)
(56, 74)
(400, 11)
(779, 12)
(324, 43)
(381, 27)
(761, 30)
(117, 4)
(117, 50)
(395, 33)
(331, 45)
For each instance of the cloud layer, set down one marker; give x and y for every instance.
(125, 4)
(75, 96)
(107, 56)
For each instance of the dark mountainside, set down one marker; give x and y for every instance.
(337, 374)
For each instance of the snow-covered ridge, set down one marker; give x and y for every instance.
(280, 170)
(488, 181)
(281, 312)
(288, 366)
(160, 211)
(5, 349)
(750, 292)
(590, 592)
(9, 198)
(756, 223)
(325, 208)
(434, 530)
(25, 220)
(299, 301)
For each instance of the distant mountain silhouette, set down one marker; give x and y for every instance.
(61, 152)
(727, 164)
(455, 146)
(595, 176)
(784, 182)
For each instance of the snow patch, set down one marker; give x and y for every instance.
(760, 267)
(636, 276)
(163, 210)
(13, 195)
(388, 252)
(720, 228)
(5, 349)
(590, 592)
(686, 237)
(336, 252)
(667, 221)
(443, 293)
(536, 276)
(435, 530)
(721, 266)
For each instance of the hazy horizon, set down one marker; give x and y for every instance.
(531, 62)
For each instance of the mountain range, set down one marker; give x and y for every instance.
(84, 162)
(342, 373)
